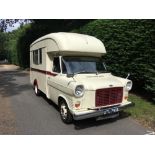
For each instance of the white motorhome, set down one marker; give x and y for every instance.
(69, 69)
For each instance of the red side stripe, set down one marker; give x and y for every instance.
(43, 72)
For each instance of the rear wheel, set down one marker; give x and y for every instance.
(36, 90)
(65, 114)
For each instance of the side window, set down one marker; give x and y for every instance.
(56, 65)
(37, 56)
(40, 56)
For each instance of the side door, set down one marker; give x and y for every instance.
(54, 80)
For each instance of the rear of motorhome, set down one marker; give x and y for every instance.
(69, 69)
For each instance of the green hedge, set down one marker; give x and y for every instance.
(130, 46)
(13, 43)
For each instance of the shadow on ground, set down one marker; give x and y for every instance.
(9, 85)
(87, 123)
(91, 122)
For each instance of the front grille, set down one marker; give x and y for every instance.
(108, 96)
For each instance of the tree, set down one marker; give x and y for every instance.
(4, 23)
(3, 53)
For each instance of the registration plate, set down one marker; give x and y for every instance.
(109, 113)
(110, 110)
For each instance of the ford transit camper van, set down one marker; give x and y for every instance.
(69, 69)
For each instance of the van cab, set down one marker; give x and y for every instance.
(69, 69)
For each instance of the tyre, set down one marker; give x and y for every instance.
(65, 114)
(36, 90)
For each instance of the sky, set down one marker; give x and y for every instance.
(9, 29)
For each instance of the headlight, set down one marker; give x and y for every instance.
(79, 91)
(129, 85)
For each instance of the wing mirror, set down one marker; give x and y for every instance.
(128, 76)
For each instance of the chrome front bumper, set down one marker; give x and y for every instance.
(96, 112)
(126, 105)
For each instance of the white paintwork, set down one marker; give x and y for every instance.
(71, 43)
(67, 44)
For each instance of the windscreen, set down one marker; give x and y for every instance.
(75, 65)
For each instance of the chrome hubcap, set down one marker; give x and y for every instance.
(36, 89)
(63, 111)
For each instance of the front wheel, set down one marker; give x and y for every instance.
(65, 114)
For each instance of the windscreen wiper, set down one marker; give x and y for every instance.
(103, 72)
(72, 74)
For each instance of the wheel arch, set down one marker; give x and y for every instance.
(62, 97)
(35, 82)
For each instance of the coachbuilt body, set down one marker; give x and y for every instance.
(69, 69)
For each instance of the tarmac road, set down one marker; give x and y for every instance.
(37, 115)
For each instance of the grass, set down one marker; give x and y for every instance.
(144, 111)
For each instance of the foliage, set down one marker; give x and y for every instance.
(4, 23)
(130, 47)
(143, 111)
(13, 39)
(3, 53)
